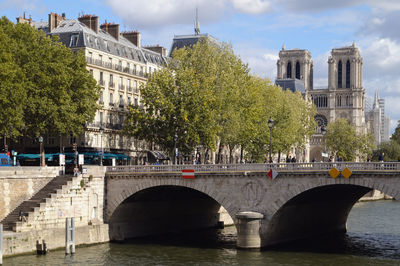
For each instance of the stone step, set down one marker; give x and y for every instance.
(38, 200)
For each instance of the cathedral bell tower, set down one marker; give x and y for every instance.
(345, 68)
(296, 64)
(345, 85)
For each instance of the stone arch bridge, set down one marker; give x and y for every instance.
(302, 201)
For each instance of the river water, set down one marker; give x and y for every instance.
(373, 238)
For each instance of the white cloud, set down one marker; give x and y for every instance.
(32, 6)
(251, 6)
(262, 61)
(160, 13)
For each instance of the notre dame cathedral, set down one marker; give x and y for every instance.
(343, 98)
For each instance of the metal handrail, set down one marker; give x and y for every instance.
(280, 167)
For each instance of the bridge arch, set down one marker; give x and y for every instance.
(319, 209)
(182, 204)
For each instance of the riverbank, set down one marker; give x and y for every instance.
(17, 243)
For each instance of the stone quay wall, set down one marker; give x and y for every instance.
(18, 184)
(82, 198)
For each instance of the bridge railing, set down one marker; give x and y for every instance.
(353, 166)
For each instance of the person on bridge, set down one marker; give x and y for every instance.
(381, 157)
(293, 159)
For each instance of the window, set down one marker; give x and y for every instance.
(101, 97)
(101, 118)
(135, 85)
(129, 85)
(340, 74)
(121, 101)
(289, 70)
(110, 119)
(101, 58)
(129, 100)
(111, 81)
(111, 99)
(107, 46)
(101, 78)
(136, 102)
(120, 83)
(74, 40)
(348, 74)
(121, 119)
(97, 42)
(298, 70)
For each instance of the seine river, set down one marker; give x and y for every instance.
(373, 239)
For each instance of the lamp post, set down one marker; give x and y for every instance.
(5, 143)
(101, 129)
(323, 132)
(175, 149)
(41, 151)
(270, 125)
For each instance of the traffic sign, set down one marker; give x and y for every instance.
(188, 173)
(334, 172)
(272, 174)
(346, 172)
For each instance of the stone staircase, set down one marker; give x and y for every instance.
(28, 206)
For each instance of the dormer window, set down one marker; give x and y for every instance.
(74, 40)
(107, 46)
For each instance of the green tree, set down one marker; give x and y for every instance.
(390, 148)
(58, 94)
(343, 140)
(396, 135)
(206, 97)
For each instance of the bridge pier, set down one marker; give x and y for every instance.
(248, 229)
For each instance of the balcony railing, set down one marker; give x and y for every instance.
(102, 83)
(281, 167)
(105, 125)
(111, 84)
(121, 87)
(119, 68)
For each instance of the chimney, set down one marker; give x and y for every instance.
(112, 29)
(90, 21)
(158, 49)
(133, 37)
(24, 20)
(55, 20)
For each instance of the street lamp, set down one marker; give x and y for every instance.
(101, 129)
(270, 125)
(175, 149)
(323, 132)
(41, 151)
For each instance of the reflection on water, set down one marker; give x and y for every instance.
(373, 239)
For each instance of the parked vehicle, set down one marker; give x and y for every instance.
(5, 160)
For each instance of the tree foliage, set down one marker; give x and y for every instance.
(45, 87)
(343, 140)
(390, 148)
(206, 96)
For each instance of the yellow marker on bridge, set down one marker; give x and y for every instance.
(334, 172)
(346, 172)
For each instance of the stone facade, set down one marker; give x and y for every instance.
(343, 98)
(309, 198)
(120, 65)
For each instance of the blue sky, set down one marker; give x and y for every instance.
(257, 29)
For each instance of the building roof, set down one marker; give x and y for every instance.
(291, 84)
(181, 41)
(102, 41)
